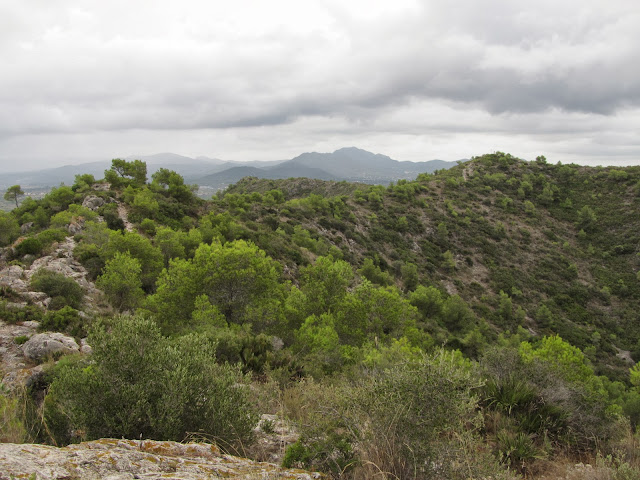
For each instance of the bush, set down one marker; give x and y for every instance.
(121, 281)
(148, 226)
(414, 420)
(51, 235)
(29, 246)
(19, 314)
(11, 428)
(536, 399)
(88, 254)
(65, 320)
(63, 290)
(9, 229)
(110, 214)
(140, 383)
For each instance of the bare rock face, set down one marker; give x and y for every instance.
(273, 434)
(128, 459)
(26, 227)
(13, 364)
(101, 187)
(75, 226)
(92, 202)
(44, 345)
(13, 277)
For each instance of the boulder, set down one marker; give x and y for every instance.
(92, 202)
(85, 347)
(35, 297)
(12, 277)
(12, 362)
(101, 187)
(128, 459)
(75, 226)
(44, 345)
(26, 227)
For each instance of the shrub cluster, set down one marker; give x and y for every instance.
(139, 383)
(63, 291)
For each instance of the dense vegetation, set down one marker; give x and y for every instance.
(469, 323)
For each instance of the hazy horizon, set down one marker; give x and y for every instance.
(214, 160)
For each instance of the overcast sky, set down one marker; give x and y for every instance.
(90, 80)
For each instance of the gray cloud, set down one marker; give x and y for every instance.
(88, 67)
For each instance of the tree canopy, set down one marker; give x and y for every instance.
(13, 193)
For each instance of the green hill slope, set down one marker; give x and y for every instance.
(509, 288)
(561, 241)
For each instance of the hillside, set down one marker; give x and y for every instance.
(563, 237)
(484, 315)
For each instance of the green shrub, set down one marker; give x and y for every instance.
(29, 246)
(11, 427)
(413, 420)
(541, 401)
(140, 383)
(63, 290)
(14, 314)
(65, 320)
(517, 448)
(110, 214)
(51, 235)
(121, 282)
(89, 255)
(296, 455)
(148, 226)
(9, 229)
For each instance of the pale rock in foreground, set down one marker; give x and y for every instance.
(128, 459)
(44, 345)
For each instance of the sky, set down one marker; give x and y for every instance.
(90, 80)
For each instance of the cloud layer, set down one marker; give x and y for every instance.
(252, 79)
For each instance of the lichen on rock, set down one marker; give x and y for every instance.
(147, 459)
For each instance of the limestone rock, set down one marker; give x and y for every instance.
(35, 297)
(12, 277)
(75, 226)
(126, 459)
(43, 345)
(273, 434)
(101, 187)
(85, 347)
(92, 202)
(26, 227)
(12, 361)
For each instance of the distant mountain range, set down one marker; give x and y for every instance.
(351, 164)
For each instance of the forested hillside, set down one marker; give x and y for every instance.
(479, 321)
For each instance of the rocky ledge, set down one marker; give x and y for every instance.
(110, 459)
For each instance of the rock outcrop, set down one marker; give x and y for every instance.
(273, 435)
(13, 278)
(50, 344)
(17, 362)
(127, 459)
(93, 202)
(13, 364)
(60, 261)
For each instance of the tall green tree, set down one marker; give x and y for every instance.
(237, 277)
(13, 193)
(124, 173)
(150, 257)
(121, 281)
